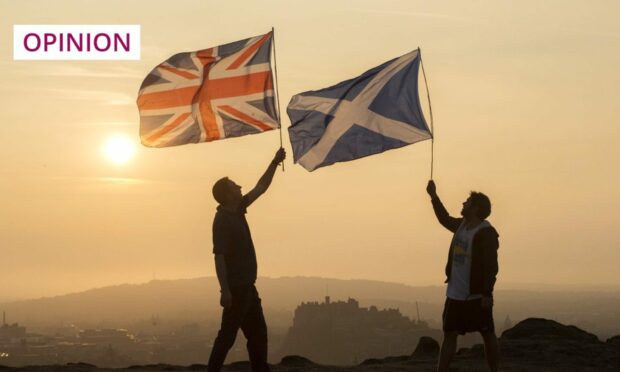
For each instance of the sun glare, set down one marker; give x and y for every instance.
(119, 149)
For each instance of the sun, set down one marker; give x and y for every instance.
(119, 149)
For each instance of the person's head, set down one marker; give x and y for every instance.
(226, 192)
(477, 205)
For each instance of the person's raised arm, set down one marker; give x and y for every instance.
(265, 180)
(444, 218)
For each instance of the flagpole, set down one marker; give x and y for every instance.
(277, 92)
(430, 109)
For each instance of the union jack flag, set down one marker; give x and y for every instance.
(210, 94)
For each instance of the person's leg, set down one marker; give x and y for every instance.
(452, 319)
(491, 350)
(232, 318)
(486, 327)
(448, 349)
(254, 328)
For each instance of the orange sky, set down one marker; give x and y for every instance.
(525, 102)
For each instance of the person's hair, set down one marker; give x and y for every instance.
(482, 203)
(220, 190)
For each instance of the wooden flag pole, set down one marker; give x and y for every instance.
(430, 109)
(277, 92)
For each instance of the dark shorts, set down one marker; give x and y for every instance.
(467, 316)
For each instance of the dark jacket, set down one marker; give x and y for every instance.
(485, 243)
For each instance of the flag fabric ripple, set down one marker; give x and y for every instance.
(210, 94)
(374, 112)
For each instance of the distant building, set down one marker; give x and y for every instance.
(11, 333)
(342, 332)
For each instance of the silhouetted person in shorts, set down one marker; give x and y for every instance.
(235, 264)
(471, 272)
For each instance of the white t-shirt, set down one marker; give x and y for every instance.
(458, 286)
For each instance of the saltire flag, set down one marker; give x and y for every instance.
(374, 112)
(210, 94)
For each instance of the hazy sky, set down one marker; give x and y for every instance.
(525, 98)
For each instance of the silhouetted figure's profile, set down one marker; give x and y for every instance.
(235, 264)
(471, 272)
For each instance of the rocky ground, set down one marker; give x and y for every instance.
(533, 345)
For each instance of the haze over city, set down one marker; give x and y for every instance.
(524, 97)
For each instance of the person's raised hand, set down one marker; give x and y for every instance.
(431, 189)
(279, 156)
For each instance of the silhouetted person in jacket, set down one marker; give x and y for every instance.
(236, 267)
(471, 272)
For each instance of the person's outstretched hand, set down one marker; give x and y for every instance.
(226, 299)
(486, 301)
(280, 156)
(431, 189)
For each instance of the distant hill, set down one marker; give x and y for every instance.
(197, 300)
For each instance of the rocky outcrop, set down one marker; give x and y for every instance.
(547, 330)
(296, 361)
(615, 341)
(537, 342)
(427, 347)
